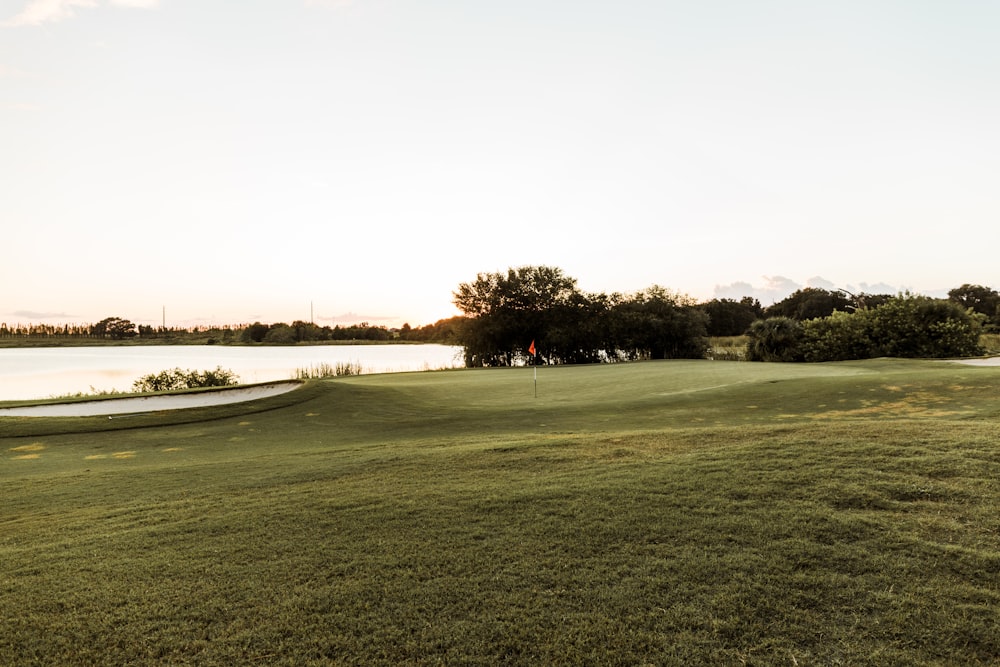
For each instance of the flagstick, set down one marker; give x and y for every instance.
(534, 358)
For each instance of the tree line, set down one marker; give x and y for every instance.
(505, 312)
(308, 332)
(280, 333)
(113, 328)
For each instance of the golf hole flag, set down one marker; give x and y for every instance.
(532, 351)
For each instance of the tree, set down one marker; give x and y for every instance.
(980, 299)
(506, 311)
(280, 334)
(115, 328)
(254, 333)
(728, 317)
(983, 300)
(442, 331)
(774, 339)
(809, 303)
(659, 324)
(575, 333)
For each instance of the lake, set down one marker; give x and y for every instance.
(29, 373)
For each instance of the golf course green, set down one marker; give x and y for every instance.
(653, 513)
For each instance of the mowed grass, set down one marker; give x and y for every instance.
(655, 513)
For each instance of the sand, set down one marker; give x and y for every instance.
(992, 361)
(124, 406)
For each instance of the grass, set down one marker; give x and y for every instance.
(653, 513)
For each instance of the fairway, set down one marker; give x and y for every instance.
(673, 512)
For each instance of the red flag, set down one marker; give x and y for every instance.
(531, 348)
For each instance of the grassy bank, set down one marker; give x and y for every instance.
(655, 513)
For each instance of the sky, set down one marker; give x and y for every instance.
(209, 162)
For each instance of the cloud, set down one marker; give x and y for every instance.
(137, 4)
(821, 283)
(876, 288)
(37, 12)
(328, 3)
(774, 289)
(780, 285)
(20, 106)
(354, 318)
(7, 72)
(39, 315)
(736, 290)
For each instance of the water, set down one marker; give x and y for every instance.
(29, 373)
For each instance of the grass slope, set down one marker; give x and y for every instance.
(654, 513)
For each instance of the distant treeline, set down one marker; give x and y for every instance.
(118, 329)
(442, 331)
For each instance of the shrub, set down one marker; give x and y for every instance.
(839, 337)
(774, 339)
(185, 379)
(919, 326)
(904, 326)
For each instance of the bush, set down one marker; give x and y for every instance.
(919, 326)
(839, 337)
(185, 379)
(904, 326)
(774, 339)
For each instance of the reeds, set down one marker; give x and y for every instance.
(727, 348)
(324, 370)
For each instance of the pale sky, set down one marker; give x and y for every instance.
(239, 161)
